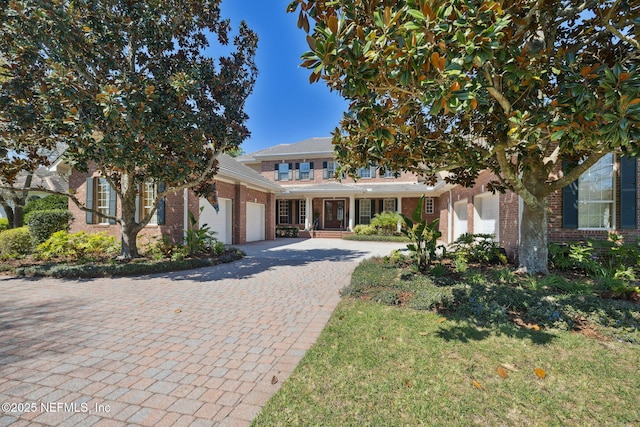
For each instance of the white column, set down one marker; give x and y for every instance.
(399, 210)
(308, 222)
(352, 212)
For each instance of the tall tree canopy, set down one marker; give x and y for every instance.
(129, 87)
(515, 87)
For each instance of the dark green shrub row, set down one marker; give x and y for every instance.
(42, 224)
(376, 238)
(78, 246)
(287, 231)
(114, 268)
(4, 224)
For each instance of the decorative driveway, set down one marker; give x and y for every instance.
(199, 347)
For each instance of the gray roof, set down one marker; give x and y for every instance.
(316, 146)
(231, 168)
(44, 178)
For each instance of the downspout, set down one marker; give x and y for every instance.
(185, 226)
(450, 225)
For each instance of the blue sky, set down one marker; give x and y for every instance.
(284, 106)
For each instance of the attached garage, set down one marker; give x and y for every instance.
(487, 214)
(460, 223)
(219, 222)
(255, 222)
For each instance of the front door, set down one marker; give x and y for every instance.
(334, 214)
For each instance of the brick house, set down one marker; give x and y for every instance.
(602, 200)
(313, 198)
(246, 205)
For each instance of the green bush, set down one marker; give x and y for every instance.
(15, 243)
(42, 224)
(287, 231)
(78, 246)
(47, 203)
(364, 230)
(218, 248)
(386, 222)
(4, 224)
(478, 248)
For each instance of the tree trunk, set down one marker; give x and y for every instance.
(129, 242)
(18, 215)
(8, 210)
(533, 251)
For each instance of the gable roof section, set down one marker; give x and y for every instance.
(306, 148)
(44, 178)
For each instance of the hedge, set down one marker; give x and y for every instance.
(42, 224)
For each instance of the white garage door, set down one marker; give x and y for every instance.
(219, 222)
(487, 214)
(459, 219)
(255, 222)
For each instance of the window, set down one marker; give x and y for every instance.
(364, 172)
(389, 205)
(283, 172)
(302, 212)
(103, 192)
(328, 170)
(147, 199)
(365, 211)
(283, 211)
(390, 174)
(429, 205)
(304, 171)
(596, 195)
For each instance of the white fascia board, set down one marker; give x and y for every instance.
(234, 177)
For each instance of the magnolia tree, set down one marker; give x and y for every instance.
(130, 88)
(517, 88)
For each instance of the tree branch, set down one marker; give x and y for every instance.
(575, 173)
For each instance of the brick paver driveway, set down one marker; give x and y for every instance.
(200, 347)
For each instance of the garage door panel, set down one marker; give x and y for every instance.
(219, 222)
(255, 222)
(460, 223)
(487, 214)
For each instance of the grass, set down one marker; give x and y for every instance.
(384, 363)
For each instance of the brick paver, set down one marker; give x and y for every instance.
(198, 347)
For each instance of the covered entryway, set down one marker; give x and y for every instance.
(460, 222)
(219, 222)
(487, 214)
(334, 214)
(255, 221)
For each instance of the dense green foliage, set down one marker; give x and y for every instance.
(386, 222)
(287, 231)
(4, 224)
(516, 88)
(130, 87)
(54, 201)
(43, 223)
(15, 243)
(423, 235)
(79, 246)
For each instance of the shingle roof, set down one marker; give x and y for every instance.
(231, 168)
(44, 178)
(308, 146)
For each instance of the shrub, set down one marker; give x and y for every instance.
(198, 239)
(42, 224)
(4, 224)
(287, 231)
(15, 243)
(78, 246)
(47, 203)
(162, 248)
(364, 230)
(423, 236)
(386, 222)
(479, 248)
(218, 248)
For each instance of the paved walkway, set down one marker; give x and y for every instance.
(200, 347)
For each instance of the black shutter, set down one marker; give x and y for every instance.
(276, 176)
(380, 206)
(628, 192)
(277, 212)
(310, 165)
(570, 203)
(89, 200)
(357, 211)
(112, 204)
(290, 203)
(161, 204)
(325, 172)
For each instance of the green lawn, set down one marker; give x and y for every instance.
(377, 364)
